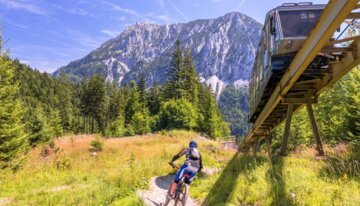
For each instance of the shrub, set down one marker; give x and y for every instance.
(96, 145)
(116, 128)
(141, 122)
(177, 114)
(63, 163)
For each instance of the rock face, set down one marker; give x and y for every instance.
(223, 50)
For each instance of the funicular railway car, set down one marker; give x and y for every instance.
(285, 30)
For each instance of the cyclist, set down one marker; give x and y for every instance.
(192, 165)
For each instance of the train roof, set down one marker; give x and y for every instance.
(296, 7)
(293, 7)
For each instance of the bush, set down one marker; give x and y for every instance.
(63, 163)
(177, 114)
(141, 122)
(116, 128)
(96, 145)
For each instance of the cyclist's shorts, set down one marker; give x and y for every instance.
(185, 169)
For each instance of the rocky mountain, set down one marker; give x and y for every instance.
(223, 51)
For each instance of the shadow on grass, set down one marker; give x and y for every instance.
(224, 186)
(277, 183)
(340, 166)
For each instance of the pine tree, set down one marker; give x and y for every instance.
(172, 85)
(13, 139)
(85, 104)
(133, 105)
(211, 121)
(142, 89)
(140, 122)
(117, 127)
(114, 109)
(41, 127)
(95, 97)
(55, 123)
(154, 99)
(65, 94)
(189, 83)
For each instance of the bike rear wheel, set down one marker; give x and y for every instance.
(167, 201)
(182, 195)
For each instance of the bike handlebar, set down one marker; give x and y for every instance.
(173, 165)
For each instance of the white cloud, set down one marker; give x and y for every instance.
(239, 5)
(79, 11)
(178, 10)
(110, 33)
(125, 10)
(121, 9)
(44, 37)
(15, 4)
(84, 39)
(42, 64)
(164, 17)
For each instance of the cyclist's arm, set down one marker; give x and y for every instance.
(183, 152)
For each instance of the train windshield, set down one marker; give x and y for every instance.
(298, 23)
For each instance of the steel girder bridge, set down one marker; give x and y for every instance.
(293, 92)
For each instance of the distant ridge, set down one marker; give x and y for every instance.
(223, 50)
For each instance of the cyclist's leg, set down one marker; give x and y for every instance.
(177, 178)
(191, 171)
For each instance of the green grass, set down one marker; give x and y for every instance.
(73, 177)
(248, 180)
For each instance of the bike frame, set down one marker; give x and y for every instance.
(181, 189)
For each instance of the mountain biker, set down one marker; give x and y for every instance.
(191, 166)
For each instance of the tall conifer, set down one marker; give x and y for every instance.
(13, 139)
(172, 85)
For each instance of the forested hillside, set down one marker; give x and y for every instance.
(36, 107)
(233, 103)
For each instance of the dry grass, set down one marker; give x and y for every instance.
(69, 175)
(109, 178)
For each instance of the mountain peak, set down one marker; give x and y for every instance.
(145, 23)
(223, 51)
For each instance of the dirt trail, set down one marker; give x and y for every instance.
(5, 201)
(155, 196)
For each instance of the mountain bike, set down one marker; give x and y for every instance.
(181, 192)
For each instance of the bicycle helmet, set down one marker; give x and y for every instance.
(193, 144)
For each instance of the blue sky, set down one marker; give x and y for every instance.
(47, 34)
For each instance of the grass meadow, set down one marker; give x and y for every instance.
(68, 174)
(299, 179)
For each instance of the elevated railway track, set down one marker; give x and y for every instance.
(302, 83)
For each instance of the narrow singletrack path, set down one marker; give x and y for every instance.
(156, 194)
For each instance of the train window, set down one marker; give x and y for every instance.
(298, 23)
(272, 26)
